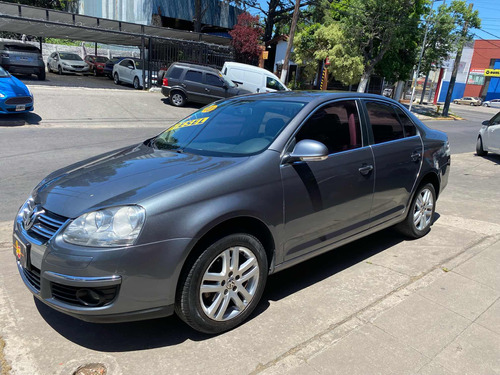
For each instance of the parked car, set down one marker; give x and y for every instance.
(185, 82)
(488, 139)
(96, 64)
(494, 103)
(252, 78)
(66, 62)
(468, 100)
(15, 97)
(108, 67)
(22, 58)
(194, 219)
(129, 71)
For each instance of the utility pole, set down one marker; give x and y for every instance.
(454, 73)
(284, 70)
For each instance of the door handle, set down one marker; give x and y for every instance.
(416, 156)
(365, 169)
(183, 85)
(207, 90)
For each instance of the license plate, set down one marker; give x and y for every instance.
(20, 107)
(22, 252)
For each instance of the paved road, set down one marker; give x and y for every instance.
(367, 297)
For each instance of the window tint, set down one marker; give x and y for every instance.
(191, 75)
(384, 122)
(213, 80)
(408, 125)
(495, 120)
(335, 125)
(175, 73)
(124, 63)
(25, 48)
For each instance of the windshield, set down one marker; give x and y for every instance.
(138, 64)
(69, 56)
(228, 82)
(235, 128)
(4, 73)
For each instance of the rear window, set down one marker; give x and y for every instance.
(17, 48)
(101, 59)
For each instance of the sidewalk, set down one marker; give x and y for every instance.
(446, 323)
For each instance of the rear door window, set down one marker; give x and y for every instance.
(409, 127)
(193, 76)
(384, 122)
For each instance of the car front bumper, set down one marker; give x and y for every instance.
(131, 283)
(10, 105)
(71, 69)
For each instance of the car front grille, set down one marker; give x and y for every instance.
(79, 296)
(19, 100)
(46, 225)
(33, 277)
(77, 66)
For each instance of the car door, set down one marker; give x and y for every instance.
(194, 86)
(214, 88)
(398, 151)
(492, 139)
(54, 61)
(329, 200)
(127, 70)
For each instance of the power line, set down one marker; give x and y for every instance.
(484, 31)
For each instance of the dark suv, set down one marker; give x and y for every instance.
(22, 58)
(185, 82)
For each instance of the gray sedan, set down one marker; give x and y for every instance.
(494, 103)
(193, 221)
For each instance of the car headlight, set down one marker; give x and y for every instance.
(110, 227)
(65, 64)
(2, 95)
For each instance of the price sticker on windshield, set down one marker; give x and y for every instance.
(209, 109)
(183, 124)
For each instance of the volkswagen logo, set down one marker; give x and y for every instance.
(30, 218)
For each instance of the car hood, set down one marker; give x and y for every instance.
(126, 176)
(11, 86)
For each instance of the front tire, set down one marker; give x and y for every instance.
(137, 86)
(59, 70)
(223, 285)
(421, 213)
(471, 104)
(479, 147)
(116, 79)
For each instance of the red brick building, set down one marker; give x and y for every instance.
(486, 55)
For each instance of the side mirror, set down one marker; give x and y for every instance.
(487, 122)
(130, 67)
(224, 86)
(308, 150)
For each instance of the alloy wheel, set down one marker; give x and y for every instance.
(229, 283)
(423, 210)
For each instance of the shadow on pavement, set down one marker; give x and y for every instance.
(141, 335)
(492, 157)
(20, 119)
(192, 105)
(73, 80)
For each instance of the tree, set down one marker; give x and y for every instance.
(316, 42)
(375, 27)
(67, 5)
(465, 19)
(245, 38)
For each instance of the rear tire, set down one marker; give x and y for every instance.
(223, 285)
(178, 99)
(479, 147)
(420, 214)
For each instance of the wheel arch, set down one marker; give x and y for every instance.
(242, 224)
(430, 177)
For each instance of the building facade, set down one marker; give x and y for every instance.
(218, 16)
(471, 79)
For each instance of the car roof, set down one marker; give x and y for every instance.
(196, 66)
(311, 96)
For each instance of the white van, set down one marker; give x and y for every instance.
(252, 78)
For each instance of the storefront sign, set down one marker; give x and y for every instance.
(492, 72)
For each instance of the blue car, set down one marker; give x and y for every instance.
(15, 97)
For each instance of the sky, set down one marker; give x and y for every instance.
(489, 12)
